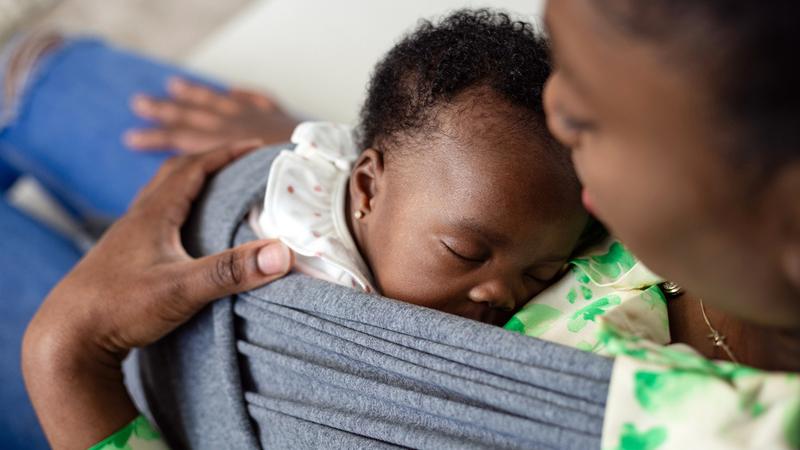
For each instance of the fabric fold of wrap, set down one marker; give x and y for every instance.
(303, 363)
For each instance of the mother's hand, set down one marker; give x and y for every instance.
(195, 118)
(136, 285)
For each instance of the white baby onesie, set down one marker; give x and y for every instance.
(304, 204)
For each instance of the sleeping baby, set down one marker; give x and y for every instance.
(451, 194)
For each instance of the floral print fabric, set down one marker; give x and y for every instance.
(137, 435)
(660, 397)
(664, 398)
(609, 283)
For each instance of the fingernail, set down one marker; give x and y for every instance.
(131, 138)
(141, 103)
(273, 258)
(176, 84)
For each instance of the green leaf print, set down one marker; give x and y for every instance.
(654, 297)
(618, 343)
(608, 267)
(121, 437)
(144, 431)
(588, 346)
(515, 325)
(534, 319)
(572, 295)
(630, 439)
(138, 429)
(657, 390)
(590, 312)
(792, 425)
(580, 274)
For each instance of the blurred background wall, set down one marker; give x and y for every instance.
(314, 55)
(164, 28)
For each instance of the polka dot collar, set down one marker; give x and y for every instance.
(305, 200)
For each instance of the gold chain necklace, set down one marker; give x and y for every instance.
(717, 338)
(672, 289)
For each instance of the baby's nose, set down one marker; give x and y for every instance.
(498, 294)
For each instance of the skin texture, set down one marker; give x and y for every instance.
(94, 316)
(481, 188)
(639, 122)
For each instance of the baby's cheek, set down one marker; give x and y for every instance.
(404, 259)
(418, 279)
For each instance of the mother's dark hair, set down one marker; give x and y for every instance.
(747, 52)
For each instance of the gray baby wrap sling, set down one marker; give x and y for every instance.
(302, 363)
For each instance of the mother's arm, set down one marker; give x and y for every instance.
(134, 287)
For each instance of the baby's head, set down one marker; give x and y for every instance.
(467, 204)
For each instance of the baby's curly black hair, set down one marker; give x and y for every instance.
(437, 62)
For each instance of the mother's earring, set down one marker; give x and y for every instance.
(359, 214)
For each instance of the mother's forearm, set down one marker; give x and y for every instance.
(77, 390)
(134, 287)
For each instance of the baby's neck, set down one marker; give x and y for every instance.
(752, 345)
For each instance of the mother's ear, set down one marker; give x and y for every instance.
(366, 181)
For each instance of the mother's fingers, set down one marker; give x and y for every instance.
(200, 281)
(201, 96)
(185, 140)
(257, 99)
(173, 113)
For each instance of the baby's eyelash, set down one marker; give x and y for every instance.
(460, 256)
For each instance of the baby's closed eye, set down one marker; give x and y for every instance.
(466, 253)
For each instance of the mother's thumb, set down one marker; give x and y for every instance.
(236, 270)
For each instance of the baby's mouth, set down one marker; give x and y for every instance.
(487, 314)
(500, 317)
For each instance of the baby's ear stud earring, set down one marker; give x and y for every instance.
(359, 214)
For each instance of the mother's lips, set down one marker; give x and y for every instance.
(587, 201)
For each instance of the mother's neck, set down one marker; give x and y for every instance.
(753, 345)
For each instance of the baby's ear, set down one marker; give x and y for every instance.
(366, 180)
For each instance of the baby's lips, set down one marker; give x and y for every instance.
(487, 314)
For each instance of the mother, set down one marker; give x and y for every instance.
(602, 102)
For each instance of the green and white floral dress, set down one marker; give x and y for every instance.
(661, 396)
(608, 283)
(673, 398)
(137, 435)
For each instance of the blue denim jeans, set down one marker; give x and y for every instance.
(66, 132)
(33, 258)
